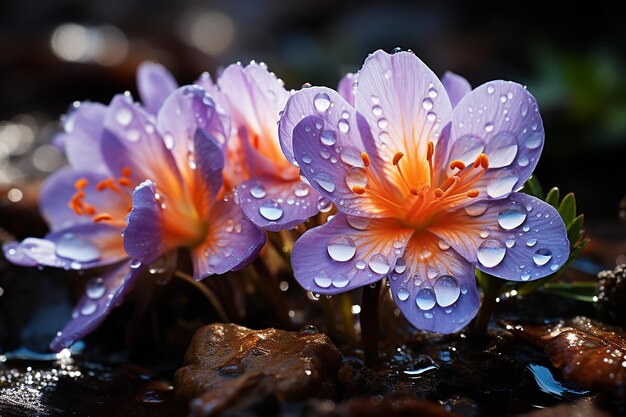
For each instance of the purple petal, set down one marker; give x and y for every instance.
(231, 242)
(274, 204)
(208, 163)
(101, 296)
(81, 246)
(155, 84)
(436, 291)
(406, 106)
(520, 238)
(58, 189)
(187, 109)
(81, 140)
(347, 252)
(335, 174)
(346, 88)
(143, 237)
(131, 140)
(502, 120)
(456, 86)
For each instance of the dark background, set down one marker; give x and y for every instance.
(571, 59)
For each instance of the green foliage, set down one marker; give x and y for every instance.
(533, 187)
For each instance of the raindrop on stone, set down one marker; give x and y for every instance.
(341, 248)
(542, 256)
(447, 290)
(321, 102)
(271, 210)
(491, 252)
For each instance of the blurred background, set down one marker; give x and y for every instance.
(55, 52)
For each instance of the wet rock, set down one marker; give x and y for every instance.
(611, 293)
(376, 406)
(589, 353)
(583, 408)
(232, 367)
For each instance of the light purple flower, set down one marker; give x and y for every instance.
(142, 182)
(426, 191)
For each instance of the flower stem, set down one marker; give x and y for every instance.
(345, 305)
(268, 285)
(207, 292)
(369, 322)
(491, 289)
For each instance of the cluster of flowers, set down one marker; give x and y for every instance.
(423, 173)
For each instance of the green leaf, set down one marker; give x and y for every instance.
(581, 290)
(533, 187)
(567, 208)
(575, 230)
(553, 197)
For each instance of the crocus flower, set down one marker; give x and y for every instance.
(139, 187)
(426, 191)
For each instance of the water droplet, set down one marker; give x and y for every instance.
(383, 123)
(322, 279)
(340, 281)
(525, 276)
(489, 128)
(463, 289)
(431, 116)
(476, 209)
(325, 181)
(400, 265)
(358, 223)
(343, 125)
(510, 242)
(88, 308)
(257, 191)
(352, 156)
(425, 299)
(554, 267)
(324, 153)
(360, 264)
(501, 149)
(375, 99)
(443, 245)
(328, 137)
(524, 109)
(124, 116)
(321, 102)
(531, 242)
(136, 263)
(341, 248)
(271, 210)
(76, 248)
(133, 135)
(491, 252)
(168, 139)
(306, 158)
(324, 205)
(402, 294)
(534, 141)
(355, 177)
(302, 190)
(490, 89)
(503, 98)
(484, 233)
(379, 264)
(542, 256)
(377, 111)
(427, 104)
(499, 187)
(447, 290)
(511, 216)
(432, 93)
(431, 272)
(466, 149)
(95, 288)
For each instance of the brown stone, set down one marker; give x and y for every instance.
(229, 366)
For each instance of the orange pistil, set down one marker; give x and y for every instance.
(473, 193)
(456, 164)
(366, 159)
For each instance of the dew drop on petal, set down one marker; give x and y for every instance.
(484, 233)
(431, 272)
(377, 111)
(501, 149)
(554, 267)
(476, 209)
(95, 288)
(466, 149)
(133, 135)
(355, 177)
(352, 156)
(510, 242)
(301, 190)
(531, 242)
(490, 89)
(383, 123)
(463, 289)
(489, 128)
(400, 265)
(340, 281)
(136, 263)
(443, 245)
(432, 93)
(534, 141)
(447, 290)
(322, 279)
(499, 187)
(168, 139)
(425, 299)
(427, 104)
(491, 252)
(343, 125)
(271, 210)
(542, 256)
(77, 249)
(511, 216)
(321, 102)
(306, 158)
(358, 223)
(341, 248)
(257, 191)
(328, 137)
(525, 276)
(379, 264)
(402, 294)
(88, 308)
(325, 181)
(360, 264)
(123, 116)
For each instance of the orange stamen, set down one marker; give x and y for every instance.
(481, 161)
(366, 159)
(397, 157)
(124, 182)
(456, 164)
(89, 209)
(102, 217)
(438, 193)
(80, 184)
(126, 172)
(473, 193)
(430, 151)
(414, 190)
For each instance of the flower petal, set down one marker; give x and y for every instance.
(231, 242)
(437, 290)
(347, 252)
(274, 204)
(101, 296)
(456, 86)
(144, 235)
(331, 161)
(520, 238)
(155, 84)
(406, 106)
(81, 140)
(82, 246)
(208, 163)
(346, 88)
(58, 189)
(502, 120)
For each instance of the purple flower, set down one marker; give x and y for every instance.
(426, 191)
(142, 182)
